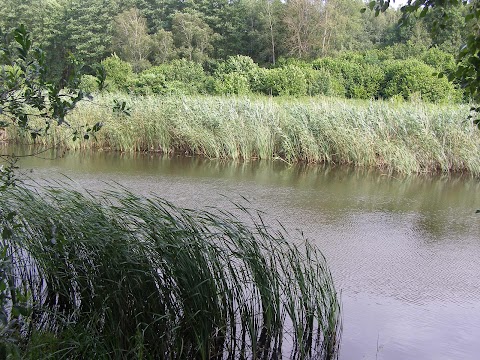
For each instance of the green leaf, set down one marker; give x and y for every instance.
(6, 233)
(424, 11)
(11, 215)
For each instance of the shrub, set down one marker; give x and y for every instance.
(119, 72)
(239, 64)
(360, 80)
(404, 51)
(439, 60)
(406, 77)
(259, 81)
(149, 82)
(231, 83)
(88, 83)
(184, 71)
(321, 82)
(287, 80)
(176, 77)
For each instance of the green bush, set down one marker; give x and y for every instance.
(404, 51)
(176, 77)
(407, 77)
(359, 79)
(239, 64)
(244, 68)
(149, 82)
(88, 83)
(184, 71)
(259, 81)
(288, 80)
(439, 60)
(321, 82)
(377, 56)
(231, 83)
(119, 72)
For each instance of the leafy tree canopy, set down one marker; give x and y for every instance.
(468, 58)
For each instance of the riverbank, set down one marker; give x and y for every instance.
(404, 137)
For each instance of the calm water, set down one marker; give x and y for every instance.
(405, 252)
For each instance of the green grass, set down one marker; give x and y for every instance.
(405, 137)
(119, 276)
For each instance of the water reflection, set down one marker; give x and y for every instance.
(404, 250)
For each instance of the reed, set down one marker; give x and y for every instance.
(122, 276)
(406, 137)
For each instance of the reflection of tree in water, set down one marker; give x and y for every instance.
(440, 205)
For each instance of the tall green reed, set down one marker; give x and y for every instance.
(407, 137)
(118, 275)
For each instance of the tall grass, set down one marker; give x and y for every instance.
(128, 277)
(406, 137)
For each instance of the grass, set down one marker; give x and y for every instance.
(404, 137)
(119, 276)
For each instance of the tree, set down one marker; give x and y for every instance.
(450, 36)
(85, 30)
(468, 58)
(303, 21)
(192, 36)
(25, 91)
(41, 18)
(131, 40)
(342, 26)
(163, 49)
(269, 23)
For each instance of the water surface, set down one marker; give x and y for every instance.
(404, 251)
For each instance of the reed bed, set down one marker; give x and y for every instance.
(405, 137)
(120, 276)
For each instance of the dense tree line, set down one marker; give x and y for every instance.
(146, 33)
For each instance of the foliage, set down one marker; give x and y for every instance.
(163, 49)
(468, 62)
(439, 60)
(124, 276)
(359, 80)
(149, 82)
(286, 80)
(88, 83)
(178, 76)
(131, 40)
(84, 30)
(119, 73)
(351, 74)
(25, 91)
(232, 83)
(243, 65)
(322, 82)
(408, 77)
(396, 136)
(192, 36)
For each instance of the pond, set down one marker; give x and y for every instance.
(404, 251)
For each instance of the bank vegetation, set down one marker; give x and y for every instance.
(397, 136)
